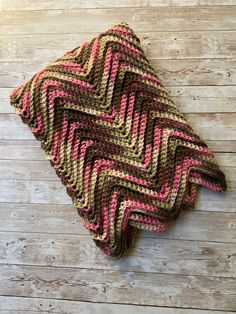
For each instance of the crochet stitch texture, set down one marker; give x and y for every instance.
(126, 154)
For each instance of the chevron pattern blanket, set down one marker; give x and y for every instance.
(126, 155)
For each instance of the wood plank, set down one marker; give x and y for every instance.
(226, 159)
(23, 71)
(9, 305)
(194, 225)
(22, 174)
(22, 150)
(17, 129)
(195, 71)
(222, 146)
(28, 170)
(14, 5)
(5, 106)
(42, 192)
(173, 72)
(204, 99)
(141, 19)
(215, 146)
(191, 223)
(149, 255)
(51, 218)
(210, 126)
(31, 150)
(53, 192)
(43, 171)
(217, 126)
(158, 45)
(5, 92)
(189, 99)
(112, 286)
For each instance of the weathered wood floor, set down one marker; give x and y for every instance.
(49, 264)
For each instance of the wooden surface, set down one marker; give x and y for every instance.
(49, 264)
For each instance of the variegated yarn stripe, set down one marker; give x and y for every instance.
(125, 153)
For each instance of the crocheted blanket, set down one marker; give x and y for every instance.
(125, 153)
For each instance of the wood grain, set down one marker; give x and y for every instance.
(30, 150)
(149, 254)
(193, 18)
(173, 72)
(199, 225)
(157, 45)
(213, 126)
(9, 5)
(121, 287)
(45, 306)
(52, 192)
(41, 170)
(189, 99)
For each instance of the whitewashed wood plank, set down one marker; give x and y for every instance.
(21, 312)
(46, 218)
(5, 92)
(157, 45)
(140, 19)
(28, 170)
(210, 126)
(5, 106)
(196, 225)
(47, 187)
(14, 5)
(191, 223)
(25, 191)
(217, 126)
(181, 72)
(148, 255)
(16, 128)
(43, 171)
(176, 91)
(53, 192)
(119, 287)
(222, 146)
(204, 99)
(210, 201)
(189, 99)
(209, 133)
(23, 71)
(195, 71)
(31, 150)
(9, 305)
(21, 150)
(226, 159)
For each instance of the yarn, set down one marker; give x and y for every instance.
(127, 156)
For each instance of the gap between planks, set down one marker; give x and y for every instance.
(45, 306)
(209, 126)
(111, 286)
(141, 19)
(187, 257)
(201, 225)
(173, 73)
(161, 46)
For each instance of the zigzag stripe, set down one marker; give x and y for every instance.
(125, 153)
